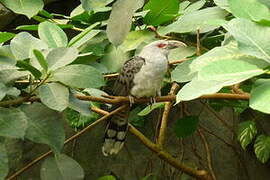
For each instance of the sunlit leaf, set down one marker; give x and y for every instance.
(5, 36)
(95, 5)
(262, 148)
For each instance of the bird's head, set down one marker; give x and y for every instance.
(163, 46)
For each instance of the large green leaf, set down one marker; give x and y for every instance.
(135, 38)
(262, 148)
(44, 126)
(186, 126)
(53, 35)
(79, 76)
(229, 69)
(5, 36)
(54, 95)
(95, 5)
(120, 19)
(3, 161)
(251, 37)
(59, 57)
(251, 9)
(83, 107)
(26, 7)
(224, 4)
(160, 11)
(61, 167)
(246, 132)
(13, 123)
(23, 44)
(205, 20)
(182, 72)
(8, 75)
(192, 7)
(260, 97)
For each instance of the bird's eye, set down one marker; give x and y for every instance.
(162, 45)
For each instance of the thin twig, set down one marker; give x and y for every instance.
(208, 154)
(164, 120)
(200, 174)
(198, 45)
(29, 165)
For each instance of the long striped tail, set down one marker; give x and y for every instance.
(116, 132)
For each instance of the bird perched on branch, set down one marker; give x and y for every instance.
(140, 76)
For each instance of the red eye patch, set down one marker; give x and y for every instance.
(161, 45)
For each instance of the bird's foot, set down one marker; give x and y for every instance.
(152, 101)
(131, 100)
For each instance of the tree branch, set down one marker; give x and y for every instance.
(164, 121)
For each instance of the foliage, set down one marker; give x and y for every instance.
(107, 32)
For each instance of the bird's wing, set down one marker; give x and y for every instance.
(124, 83)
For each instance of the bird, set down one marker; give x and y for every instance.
(140, 76)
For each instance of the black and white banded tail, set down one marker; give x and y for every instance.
(116, 133)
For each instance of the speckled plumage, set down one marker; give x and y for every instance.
(140, 76)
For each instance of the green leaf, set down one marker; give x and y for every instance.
(80, 106)
(251, 9)
(205, 20)
(262, 148)
(54, 95)
(114, 58)
(79, 76)
(3, 161)
(120, 19)
(53, 35)
(23, 44)
(60, 57)
(61, 167)
(5, 36)
(41, 59)
(45, 14)
(229, 69)
(27, 27)
(13, 123)
(260, 97)
(135, 38)
(95, 5)
(186, 126)
(251, 37)
(193, 7)
(8, 75)
(25, 7)
(150, 108)
(182, 72)
(109, 177)
(246, 132)
(161, 11)
(6, 52)
(84, 36)
(25, 65)
(44, 126)
(135, 119)
(224, 4)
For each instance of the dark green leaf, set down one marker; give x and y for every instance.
(26, 7)
(262, 148)
(53, 35)
(246, 132)
(44, 126)
(23, 44)
(79, 76)
(30, 68)
(5, 36)
(13, 123)
(120, 19)
(134, 119)
(186, 126)
(61, 167)
(109, 177)
(45, 14)
(161, 11)
(59, 57)
(27, 27)
(41, 59)
(3, 161)
(54, 95)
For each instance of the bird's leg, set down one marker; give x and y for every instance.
(131, 100)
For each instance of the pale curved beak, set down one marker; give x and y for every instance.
(175, 44)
